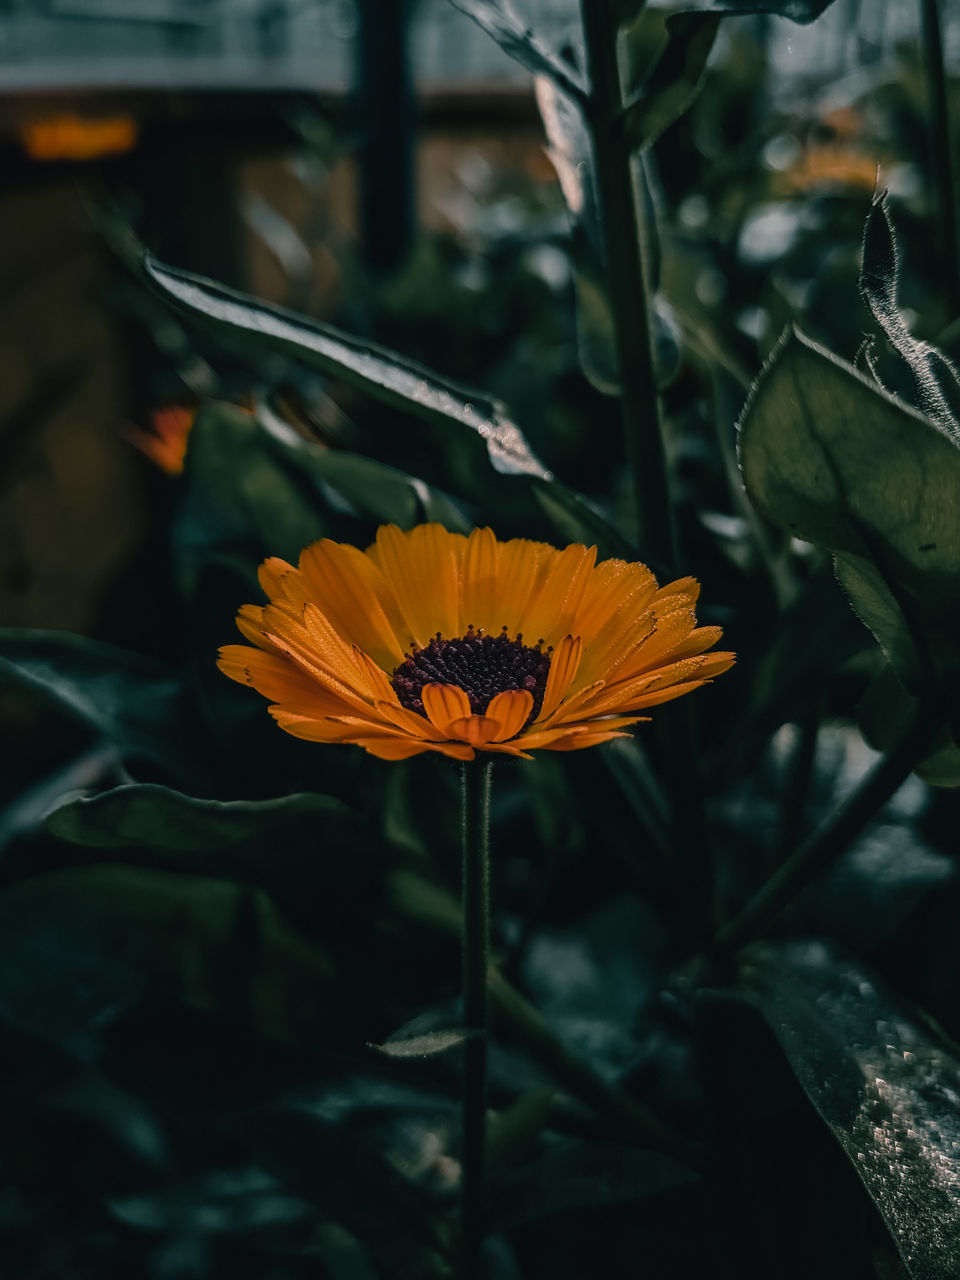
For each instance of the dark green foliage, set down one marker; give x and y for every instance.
(231, 1043)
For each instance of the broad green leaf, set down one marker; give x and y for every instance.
(387, 377)
(935, 377)
(148, 816)
(883, 1085)
(511, 33)
(833, 459)
(138, 704)
(674, 81)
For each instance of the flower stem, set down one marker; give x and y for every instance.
(824, 846)
(627, 286)
(475, 817)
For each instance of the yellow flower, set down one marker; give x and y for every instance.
(433, 641)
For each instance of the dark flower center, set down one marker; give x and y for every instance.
(481, 665)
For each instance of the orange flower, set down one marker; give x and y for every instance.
(425, 642)
(166, 443)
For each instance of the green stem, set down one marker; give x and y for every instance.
(943, 178)
(475, 796)
(627, 286)
(826, 845)
(629, 294)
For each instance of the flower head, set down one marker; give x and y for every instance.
(433, 641)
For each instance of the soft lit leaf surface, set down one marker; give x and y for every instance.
(834, 460)
(385, 376)
(884, 1086)
(938, 389)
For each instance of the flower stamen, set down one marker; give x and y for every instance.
(480, 664)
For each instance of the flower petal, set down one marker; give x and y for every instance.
(278, 679)
(477, 730)
(511, 709)
(352, 592)
(422, 568)
(563, 667)
(443, 704)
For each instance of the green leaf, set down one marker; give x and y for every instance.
(135, 702)
(935, 377)
(674, 81)
(387, 377)
(498, 19)
(833, 459)
(152, 817)
(885, 1088)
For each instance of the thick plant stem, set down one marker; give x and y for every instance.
(826, 845)
(629, 296)
(639, 398)
(943, 177)
(475, 817)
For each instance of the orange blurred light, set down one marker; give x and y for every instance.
(73, 137)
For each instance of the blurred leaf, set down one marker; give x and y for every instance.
(138, 704)
(498, 19)
(935, 377)
(222, 1201)
(237, 497)
(426, 1046)
(674, 81)
(883, 711)
(590, 1175)
(378, 492)
(387, 377)
(883, 1086)
(216, 946)
(806, 645)
(833, 459)
(349, 1178)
